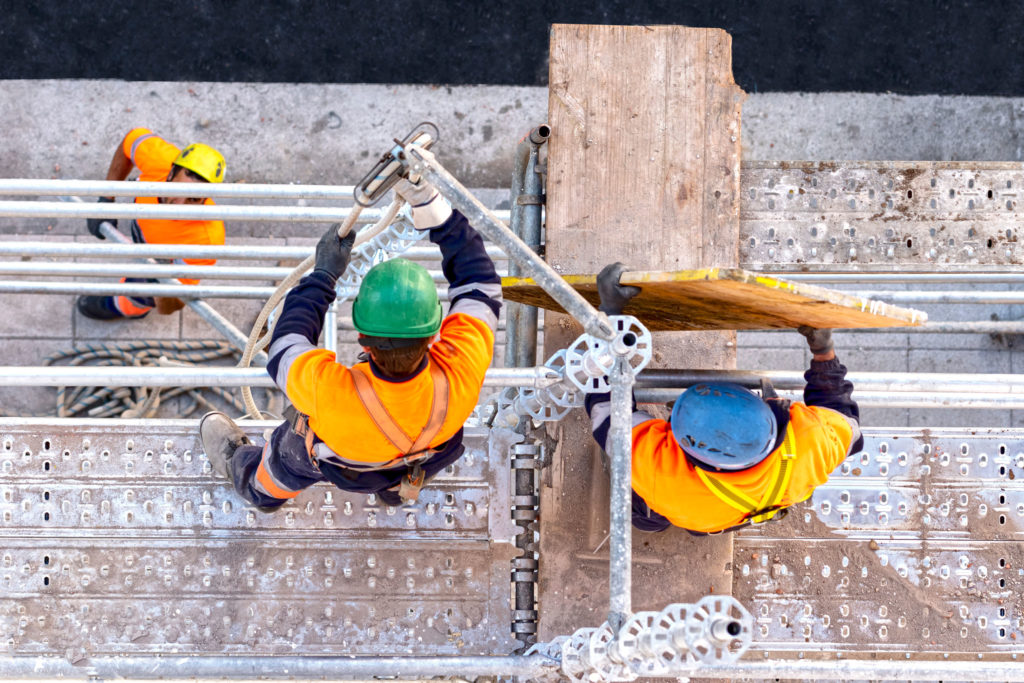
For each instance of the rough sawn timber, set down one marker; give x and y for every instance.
(727, 299)
(644, 168)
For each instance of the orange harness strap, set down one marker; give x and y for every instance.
(387, 424)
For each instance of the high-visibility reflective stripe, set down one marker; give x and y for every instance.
(138, 141)
(766, 508)
(270, 485)
(785, 472)
(727, 494)
(129, 308)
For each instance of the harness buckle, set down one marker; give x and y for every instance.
(412, 483)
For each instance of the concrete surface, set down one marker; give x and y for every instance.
(332, 133)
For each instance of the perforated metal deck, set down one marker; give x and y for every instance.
(913, 546)
(116, 539)
(880, 215)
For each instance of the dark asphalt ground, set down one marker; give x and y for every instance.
(906, 46)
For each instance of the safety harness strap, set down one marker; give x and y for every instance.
(768, 506)
(387, 424)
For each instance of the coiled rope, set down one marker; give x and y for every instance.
(140, 402)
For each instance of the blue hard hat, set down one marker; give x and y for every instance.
(723, 426)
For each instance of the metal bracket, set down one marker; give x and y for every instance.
(589, 360)
(716, 631)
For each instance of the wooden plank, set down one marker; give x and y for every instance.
(728, 299)
(644, 168)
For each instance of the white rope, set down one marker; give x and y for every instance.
(255, 343)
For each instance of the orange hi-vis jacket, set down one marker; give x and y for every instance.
(153, 156)
(325, 391)
(672, 486)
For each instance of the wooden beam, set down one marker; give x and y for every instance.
(644, 168)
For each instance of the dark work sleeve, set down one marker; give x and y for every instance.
(828, 387)
(473, 282)
(302, 317)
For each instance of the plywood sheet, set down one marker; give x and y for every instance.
(728, 299)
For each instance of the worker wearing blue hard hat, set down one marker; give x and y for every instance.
(727, 457)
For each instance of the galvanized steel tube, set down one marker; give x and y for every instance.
(190, 251)
(876, 381)
(892, 399)
(283, 214)
(525, 222)
(136, 289)
(906, 278)
(184, 292)
(114, 188)
(620, 450)
(864, 669)
(271, 666)
(153, 270)
(206, 376)
(990, 297)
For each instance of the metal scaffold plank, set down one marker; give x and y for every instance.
(880, 215)
(913, 545)
(117, 539)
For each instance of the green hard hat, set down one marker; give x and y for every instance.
(397, 299)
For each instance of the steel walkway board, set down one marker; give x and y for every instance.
(727, 299)
(116, 539)
(915, 544)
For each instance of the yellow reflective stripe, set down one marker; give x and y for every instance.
(783, 473)
(728, 494)
(766, 509)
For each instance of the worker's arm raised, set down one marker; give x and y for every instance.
(827, 386)
(302, 318)
(474, 287)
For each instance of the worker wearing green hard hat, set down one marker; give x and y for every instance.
(388, 424)
(397, 300)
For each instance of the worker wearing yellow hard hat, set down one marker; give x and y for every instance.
(159, 161)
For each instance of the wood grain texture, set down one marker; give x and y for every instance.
(643, 168)
(727, 299)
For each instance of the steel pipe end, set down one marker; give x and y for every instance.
(540, 134)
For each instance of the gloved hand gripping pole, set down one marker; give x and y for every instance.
(422, 162)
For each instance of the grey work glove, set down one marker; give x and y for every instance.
(332, 253)
(819, 341)
(94, 223)
(614, 296)
(429, 208)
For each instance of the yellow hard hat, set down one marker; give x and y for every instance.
(204, 161)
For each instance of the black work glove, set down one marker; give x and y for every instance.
(333, 254)
(819, 341)
(94, 223)
(614, 296)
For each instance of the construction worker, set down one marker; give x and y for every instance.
(157, 161)
(390, 423)
(728, 458)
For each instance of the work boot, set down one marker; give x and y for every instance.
(97, 308)
(221, 437)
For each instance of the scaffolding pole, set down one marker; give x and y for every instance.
(208, 376)
(262, 667)
(190, 251)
